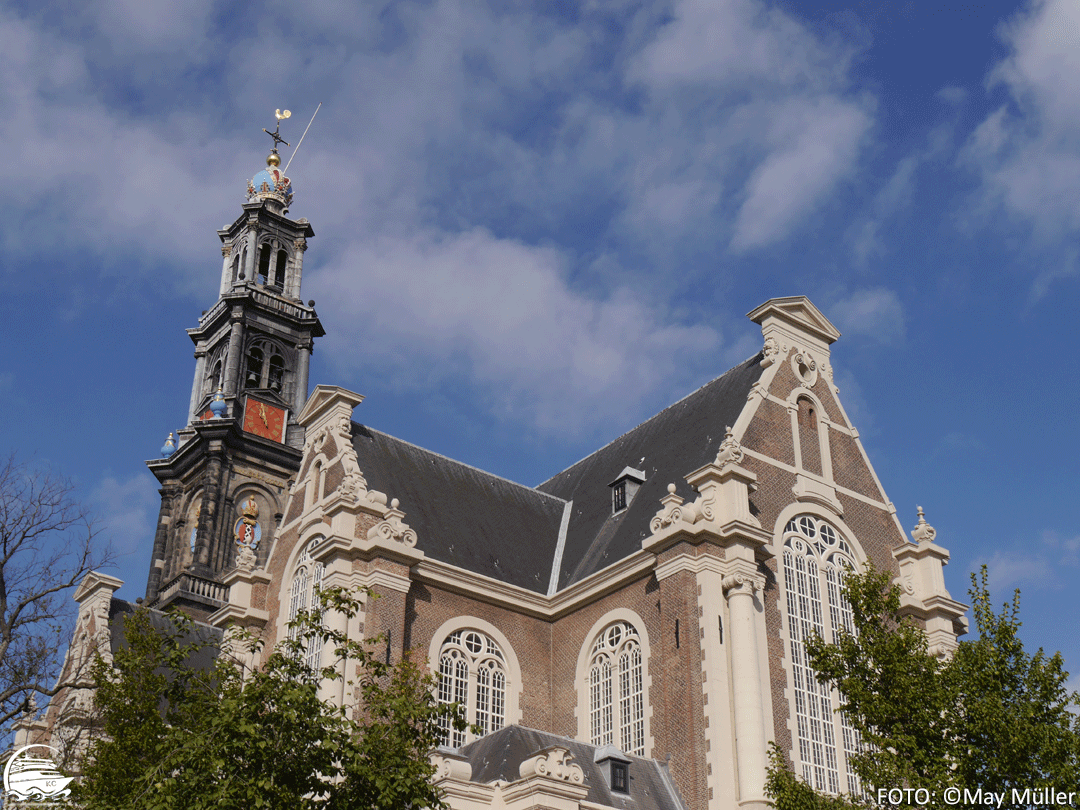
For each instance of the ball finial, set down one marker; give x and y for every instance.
(273, 159)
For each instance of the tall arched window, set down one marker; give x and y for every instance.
(265, 366)
(472, 673)
(306, 580)
(815, 559)
(616, 685)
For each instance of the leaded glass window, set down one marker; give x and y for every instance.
(616, 684)
(815, 560)
(472, 673)
(307, 579)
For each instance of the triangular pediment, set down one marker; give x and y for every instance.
(798, 313)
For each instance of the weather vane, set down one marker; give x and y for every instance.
(281, 115)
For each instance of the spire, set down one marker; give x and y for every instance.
(271, 184)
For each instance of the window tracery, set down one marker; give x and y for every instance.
(472, 673)
(616, 684)
(302, 596)
(265, 366)
(815, 559)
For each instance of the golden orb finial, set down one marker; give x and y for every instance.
(273, 159)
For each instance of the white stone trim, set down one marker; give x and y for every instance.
(514, 685)
(887, 506)
(556, 563)
(581, 675)
(530, 603)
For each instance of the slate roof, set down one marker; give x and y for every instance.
(202, 658)
(497, 757)
(486, 524)
(463, 516)
(675, 442)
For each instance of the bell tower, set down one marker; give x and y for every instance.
(225, 479)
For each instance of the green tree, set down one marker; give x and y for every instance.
(178, 736)
(992, 716)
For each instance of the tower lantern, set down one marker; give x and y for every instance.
(242, 443)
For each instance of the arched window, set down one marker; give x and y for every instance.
(472, 673)
(275, 373)
(265, 251)
(815, 559)
(278, 277)
(306, 580)
(254, 367)
(616, 684)
(214, 378)
(265, 367)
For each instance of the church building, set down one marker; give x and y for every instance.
(630, 633)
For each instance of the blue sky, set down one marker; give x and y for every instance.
(538, 224)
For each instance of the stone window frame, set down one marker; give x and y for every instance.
(293, 600)
(796, 670)
(511, 667)
(585, 661)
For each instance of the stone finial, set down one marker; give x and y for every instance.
(671, 511)
(730, 451)
(923, 531)
(393, 527)
(553, 763)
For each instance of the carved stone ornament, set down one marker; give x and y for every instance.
(771, 352)
(226, 250)
(393, 528)
(730, 452)
(555, 763)
(300, 244)
(923, 531)
(451, 768)
(245, 558)
(805, 367)
(743, 583)
(671, 511)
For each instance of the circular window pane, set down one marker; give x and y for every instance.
(473, 643)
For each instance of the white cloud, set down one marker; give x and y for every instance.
(1044, 564)
(465, 172)
(503, 313)
(875, 313)
(1027, 152)
(126, 510)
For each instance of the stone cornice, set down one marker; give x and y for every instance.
(529, 602)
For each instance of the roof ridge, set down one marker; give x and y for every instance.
(656, 415)
(461, 463)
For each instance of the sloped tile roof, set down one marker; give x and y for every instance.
(675, 442)
(463, 516)
(497, 757)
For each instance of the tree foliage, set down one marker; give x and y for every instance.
(180, 737)
(48, 543)
(992, 717)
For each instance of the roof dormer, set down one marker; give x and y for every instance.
(624, 487)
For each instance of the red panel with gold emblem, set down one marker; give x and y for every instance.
(264, 419)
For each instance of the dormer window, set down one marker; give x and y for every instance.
(620, 777)
(624, 488)
(618, 497)
(614, 764)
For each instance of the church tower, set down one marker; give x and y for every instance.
(225, 479)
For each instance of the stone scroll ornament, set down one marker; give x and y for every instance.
(557, 763)
(392, 528)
